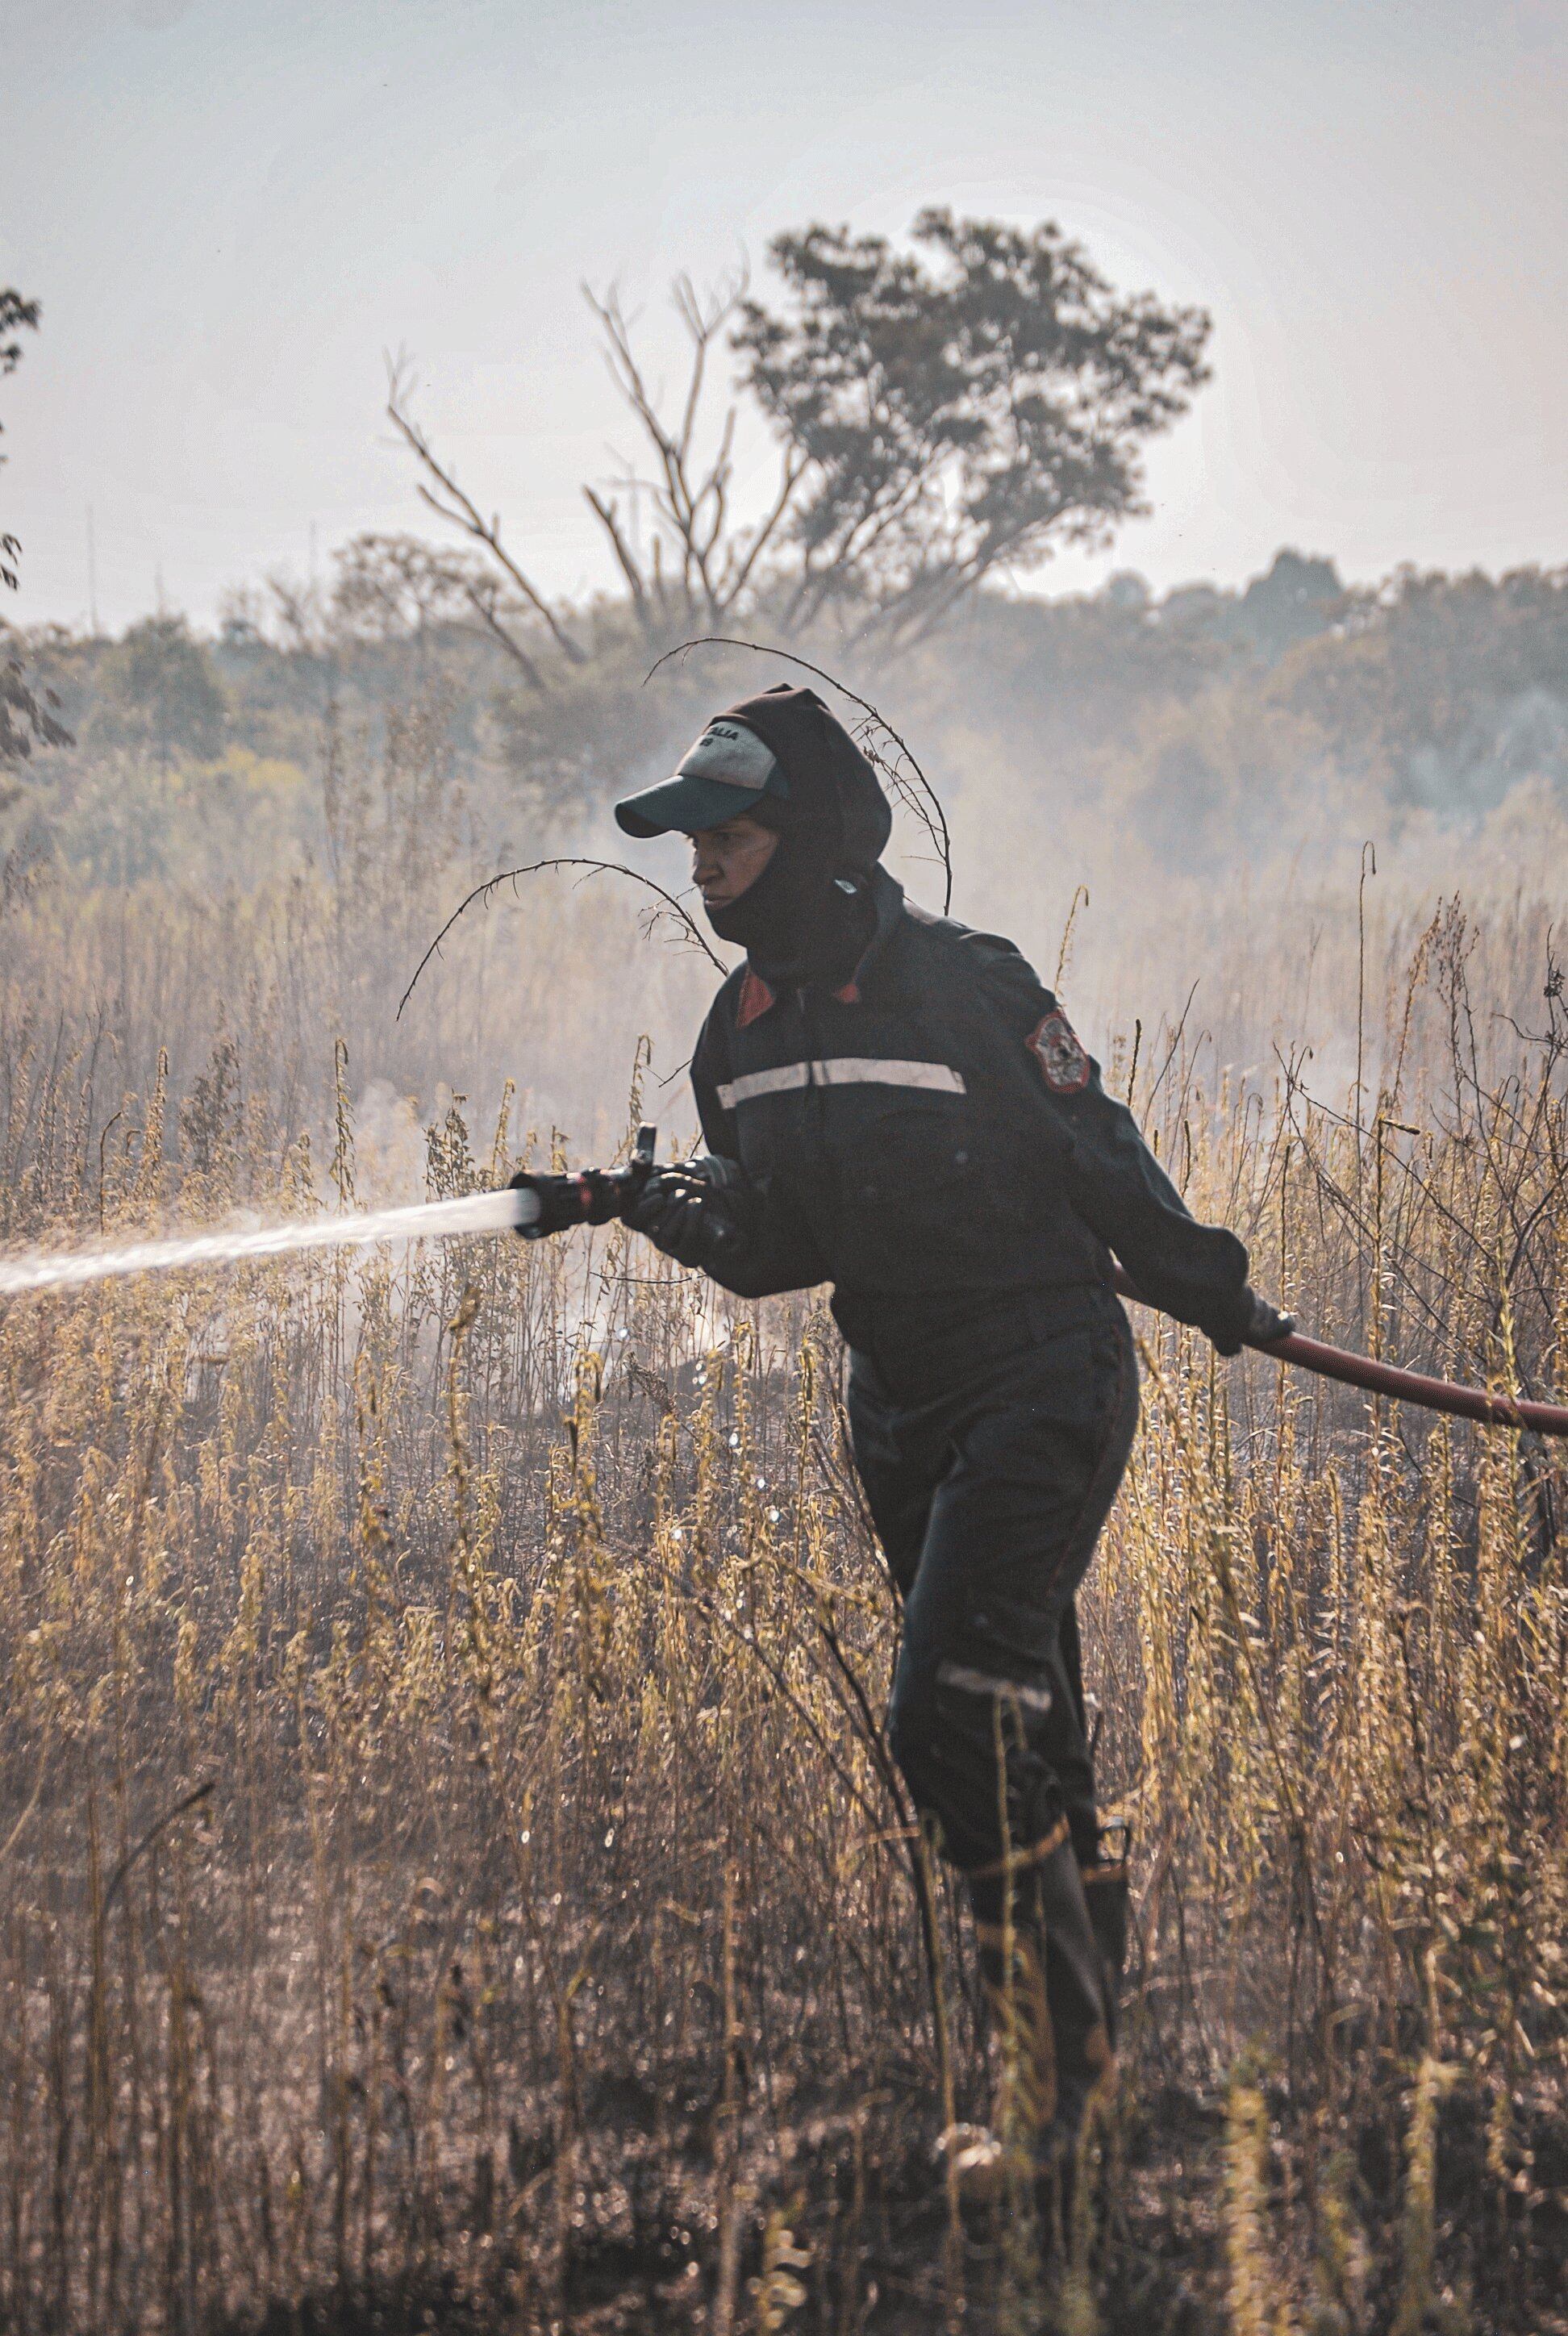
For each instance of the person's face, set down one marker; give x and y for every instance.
(726, 861)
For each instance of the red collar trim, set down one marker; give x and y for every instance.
(755, 997)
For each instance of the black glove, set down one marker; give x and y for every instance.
(1256, 1323)
(694, 1212)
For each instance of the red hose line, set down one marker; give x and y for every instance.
(1405, 1387)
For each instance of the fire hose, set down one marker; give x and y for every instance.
(537, 1204)
(1386, 1378)
(596, 1195)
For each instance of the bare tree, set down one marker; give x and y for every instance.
(714, 560)
(700, 563)
(440, 490)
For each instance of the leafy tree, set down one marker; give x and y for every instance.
(1444, 690)
(1296, 600)
(24, 721)
(939, 418)
(16, 315)
(160, 694)
(392, 588)
(389, 588)
(955, 420)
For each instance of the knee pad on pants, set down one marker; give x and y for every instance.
(944, 1728)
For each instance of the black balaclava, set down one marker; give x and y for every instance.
(809, 915)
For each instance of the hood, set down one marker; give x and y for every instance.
(832, 785)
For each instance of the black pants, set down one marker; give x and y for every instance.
(991, 1440)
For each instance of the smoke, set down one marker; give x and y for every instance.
(390, 1146)
(1177, 814)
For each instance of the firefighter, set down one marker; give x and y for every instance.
(896, 1105)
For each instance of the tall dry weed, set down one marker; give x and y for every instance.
(450, 1864)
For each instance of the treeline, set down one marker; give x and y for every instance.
(1207, 725)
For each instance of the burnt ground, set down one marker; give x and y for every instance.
(640, 2253)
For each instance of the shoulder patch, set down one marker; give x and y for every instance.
(1058, 1049)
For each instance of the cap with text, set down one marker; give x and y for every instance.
(728, 771)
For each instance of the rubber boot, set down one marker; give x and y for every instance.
(1105, 1892)
(1077, 1991)
(1012, 1974)
(1049, 2000)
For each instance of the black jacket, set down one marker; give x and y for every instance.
(935, 1129)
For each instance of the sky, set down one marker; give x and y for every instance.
(232, 209)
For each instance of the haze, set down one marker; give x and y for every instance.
(229, 212)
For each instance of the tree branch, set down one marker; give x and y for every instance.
(793, 469)
(485, 610)
(606, 515)
(696, 510)
(461, 511)
(595, 867)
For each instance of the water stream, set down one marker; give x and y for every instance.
(480, 1212)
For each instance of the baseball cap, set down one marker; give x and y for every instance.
(727, 771)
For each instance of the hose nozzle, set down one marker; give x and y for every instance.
(585, 1196)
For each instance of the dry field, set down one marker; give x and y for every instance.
(451, 1873)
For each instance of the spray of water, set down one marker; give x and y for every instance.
(481, 1212)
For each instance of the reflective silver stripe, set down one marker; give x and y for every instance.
(866, 1071)
(763, 1083)
(842, 1071)
(1032, 1698)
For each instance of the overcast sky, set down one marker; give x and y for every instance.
(229, 208)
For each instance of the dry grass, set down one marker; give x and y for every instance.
(451, 1874)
